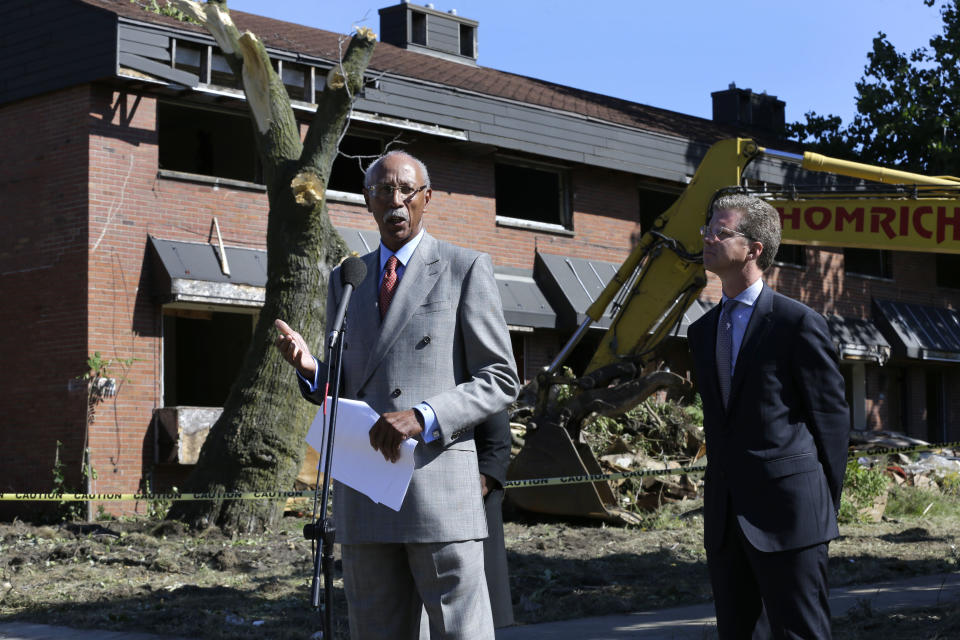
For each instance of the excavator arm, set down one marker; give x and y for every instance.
(664, 274)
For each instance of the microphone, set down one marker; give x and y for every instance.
(352, 272)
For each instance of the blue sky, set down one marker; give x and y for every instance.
(668, 54)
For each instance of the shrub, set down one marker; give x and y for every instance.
(861, 486)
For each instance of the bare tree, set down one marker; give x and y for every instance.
(258, 442)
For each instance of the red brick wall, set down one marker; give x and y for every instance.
(43, 249)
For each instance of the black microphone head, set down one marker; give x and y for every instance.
(353, 271)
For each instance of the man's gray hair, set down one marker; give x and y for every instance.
(759, 221)
(372, 169)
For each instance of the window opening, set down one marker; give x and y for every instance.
(793, 255)
(221, 74)
(531, 193)
(418, 28)
(466, 41)
(346, 174)
(653, 202)
(295, 77)
(206, 142)
(190, 58)
(203, 352)
(868, 262)
(948, 270)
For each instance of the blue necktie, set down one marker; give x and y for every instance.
(725, 349)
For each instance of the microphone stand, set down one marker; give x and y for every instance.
(323, 528)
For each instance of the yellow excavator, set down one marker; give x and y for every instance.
(664, 274)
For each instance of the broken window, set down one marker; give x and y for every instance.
(203, 352)
(207, 142)
(526, 191)
(868, 262)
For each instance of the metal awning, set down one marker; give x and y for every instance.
(191, 272)
(693, 313)
(571, 285)
(858, 339)
(360, 241)
(524, 305)
(919, 331)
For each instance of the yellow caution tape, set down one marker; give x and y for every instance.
(509, 484)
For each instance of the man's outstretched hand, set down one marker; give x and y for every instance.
(391, 429)
(294, 350)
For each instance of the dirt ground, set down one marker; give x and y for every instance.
(157, 576)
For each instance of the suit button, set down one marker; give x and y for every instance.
(395, 393)
(361, 394)
(426, 340)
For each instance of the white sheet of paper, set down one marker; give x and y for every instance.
(355, 463)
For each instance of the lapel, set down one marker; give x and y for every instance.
(708, 347)
(756, 328)
(364, 317)
(418, 280)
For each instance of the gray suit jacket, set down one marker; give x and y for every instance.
(443, 341)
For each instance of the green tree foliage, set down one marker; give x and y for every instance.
(907, 106)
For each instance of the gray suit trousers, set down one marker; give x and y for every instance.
(389, 584)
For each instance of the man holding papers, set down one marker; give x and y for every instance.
(428, 349)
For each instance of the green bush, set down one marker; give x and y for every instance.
(861, 486)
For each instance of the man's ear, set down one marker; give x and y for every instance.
(427, 194)
(756, 248)
(366, 200)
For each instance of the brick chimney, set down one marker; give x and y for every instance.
(427, 30)
(744, 107)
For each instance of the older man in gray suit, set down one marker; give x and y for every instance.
(429, 350)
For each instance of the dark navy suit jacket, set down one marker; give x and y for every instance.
(776, 456)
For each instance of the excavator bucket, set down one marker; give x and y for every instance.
(549, 452)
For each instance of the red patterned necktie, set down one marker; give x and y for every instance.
(388, 286)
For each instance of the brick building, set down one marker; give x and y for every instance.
(129, 172)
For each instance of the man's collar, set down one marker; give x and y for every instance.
(404, 253)
(749, 295)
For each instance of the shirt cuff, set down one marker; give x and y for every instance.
(311, 384)
(431, 430)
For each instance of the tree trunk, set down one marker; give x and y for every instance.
(258, 442)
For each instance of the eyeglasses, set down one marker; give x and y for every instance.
(720, 233)
(386, 191)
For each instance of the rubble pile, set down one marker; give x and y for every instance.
(929, 469)
(654, 435)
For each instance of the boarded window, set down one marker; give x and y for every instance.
(190, 57)
(202, 355)
(528, 192)
(868, 262)
(205, 142)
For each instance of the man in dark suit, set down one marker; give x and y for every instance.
(493, 456)
(430, 352)
(776, 425)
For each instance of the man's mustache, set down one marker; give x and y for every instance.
(399, 212)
